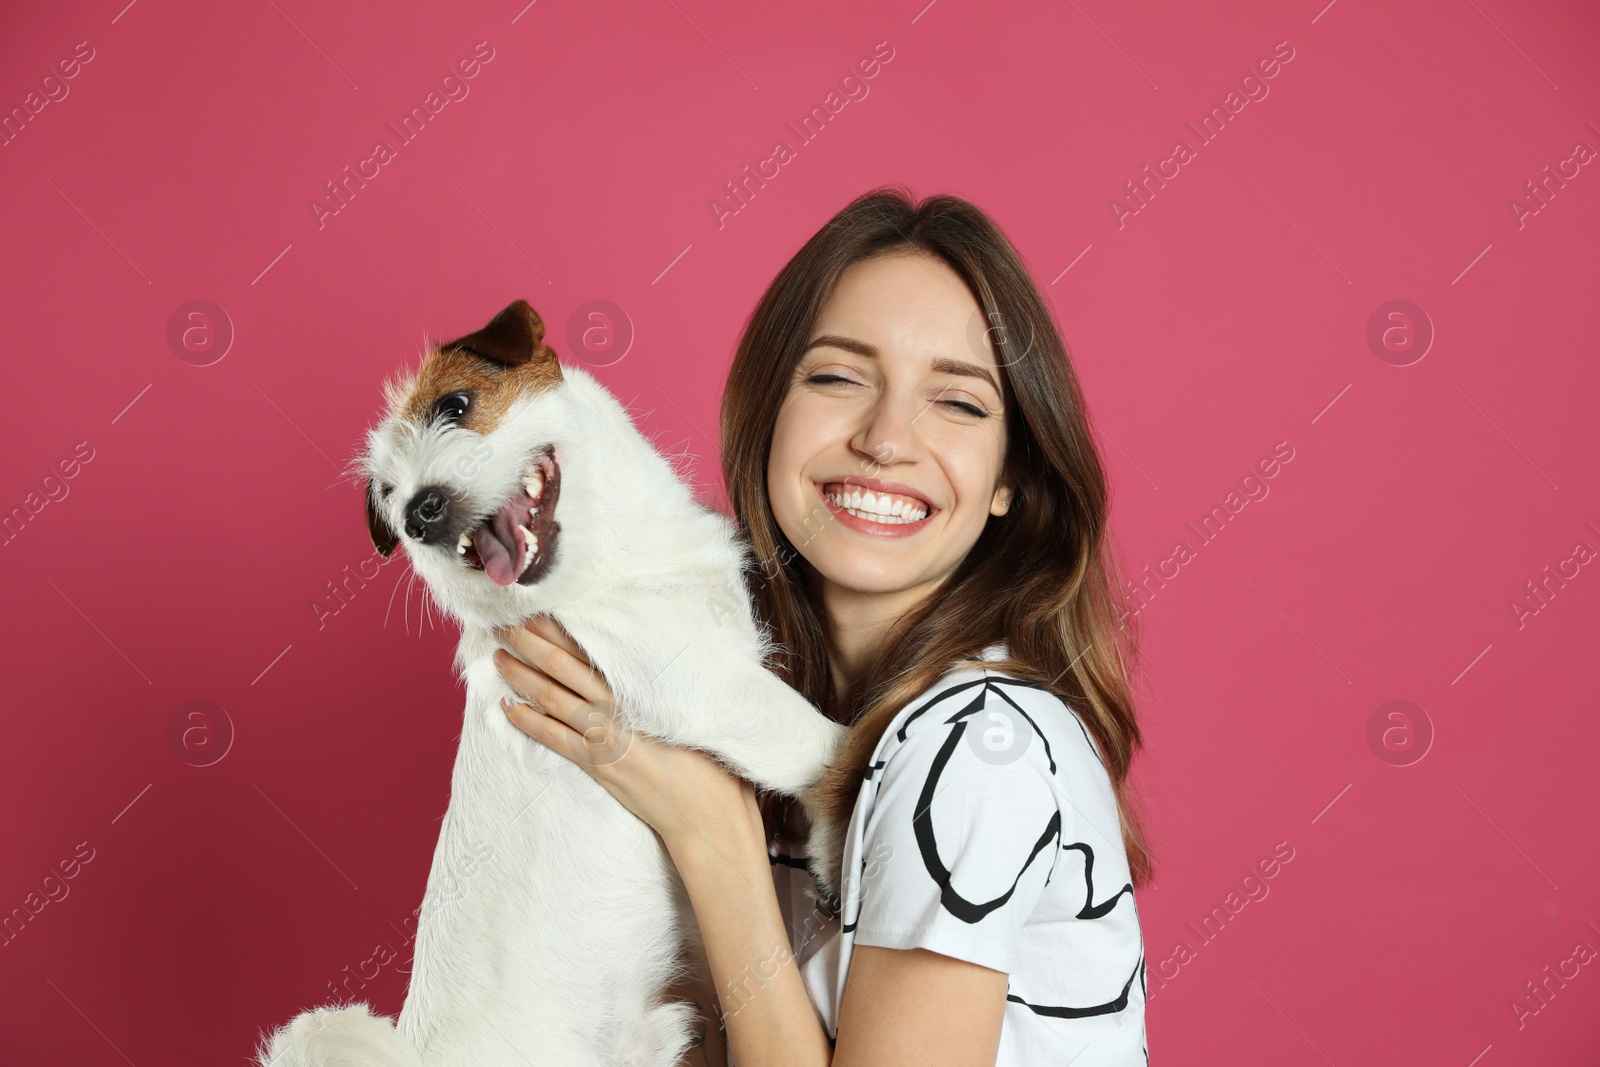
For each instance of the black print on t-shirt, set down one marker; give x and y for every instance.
(922, 823)
(1050, 833)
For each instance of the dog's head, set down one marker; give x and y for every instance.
(464, 468)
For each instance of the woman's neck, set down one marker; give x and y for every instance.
(857, 625)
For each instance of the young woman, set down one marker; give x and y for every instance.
(906, 449)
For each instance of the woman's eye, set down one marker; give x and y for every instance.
(960, 405)
(966, 407)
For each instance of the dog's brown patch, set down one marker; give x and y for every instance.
(497, 364)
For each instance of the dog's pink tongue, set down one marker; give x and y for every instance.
(499, 557)
(499, 544)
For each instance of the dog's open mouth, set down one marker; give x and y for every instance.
(517, 543)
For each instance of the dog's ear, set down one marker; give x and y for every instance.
(513, 337)
(383, 539)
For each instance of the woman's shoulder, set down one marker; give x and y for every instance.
(1001, 717)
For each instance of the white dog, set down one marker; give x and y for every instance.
(553, 919)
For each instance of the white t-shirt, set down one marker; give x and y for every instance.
(987, 830)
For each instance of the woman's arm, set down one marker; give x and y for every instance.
(918, 1008)
(911, 1007)
(900, 1006)
(766, 1012)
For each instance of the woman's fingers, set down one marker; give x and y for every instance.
(549, 731)
(559, 681)
(547, 647)
(539, 688)
(535, 723)
(547, 627)
(594, 738)
(587, 738)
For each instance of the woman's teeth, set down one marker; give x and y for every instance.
(879, 507)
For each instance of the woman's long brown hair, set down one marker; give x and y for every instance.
(1041, 578)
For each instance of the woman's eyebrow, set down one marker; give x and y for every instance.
(943, 364)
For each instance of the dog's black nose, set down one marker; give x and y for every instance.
(427, 515)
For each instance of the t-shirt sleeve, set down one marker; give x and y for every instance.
(963, 834)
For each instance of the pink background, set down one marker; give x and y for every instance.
(189, 555)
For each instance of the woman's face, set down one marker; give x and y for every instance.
(888, 450)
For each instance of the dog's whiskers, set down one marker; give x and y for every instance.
(427, 608)
(422, 604)
(425, 603)
(392, 592)
(406, 615)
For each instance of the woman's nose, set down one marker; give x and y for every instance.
(888, 432)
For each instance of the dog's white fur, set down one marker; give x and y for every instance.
(553, 918)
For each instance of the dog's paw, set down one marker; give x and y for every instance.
(330, 1036)
(825, 857)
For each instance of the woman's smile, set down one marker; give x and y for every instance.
(876, 507)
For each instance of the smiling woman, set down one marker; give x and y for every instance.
(954, 601)
(929, 513)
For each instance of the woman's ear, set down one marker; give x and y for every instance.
(1000, 503)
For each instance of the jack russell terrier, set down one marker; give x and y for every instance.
(554, 920)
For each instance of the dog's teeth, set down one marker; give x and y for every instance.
(534, 484)
(463, 544)
(530, 548)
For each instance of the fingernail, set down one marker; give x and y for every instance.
(506, 702)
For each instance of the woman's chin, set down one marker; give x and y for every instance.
(872, 582)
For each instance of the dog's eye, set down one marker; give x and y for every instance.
(452, 407)
(385, 490)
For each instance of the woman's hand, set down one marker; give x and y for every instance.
(681, 793)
